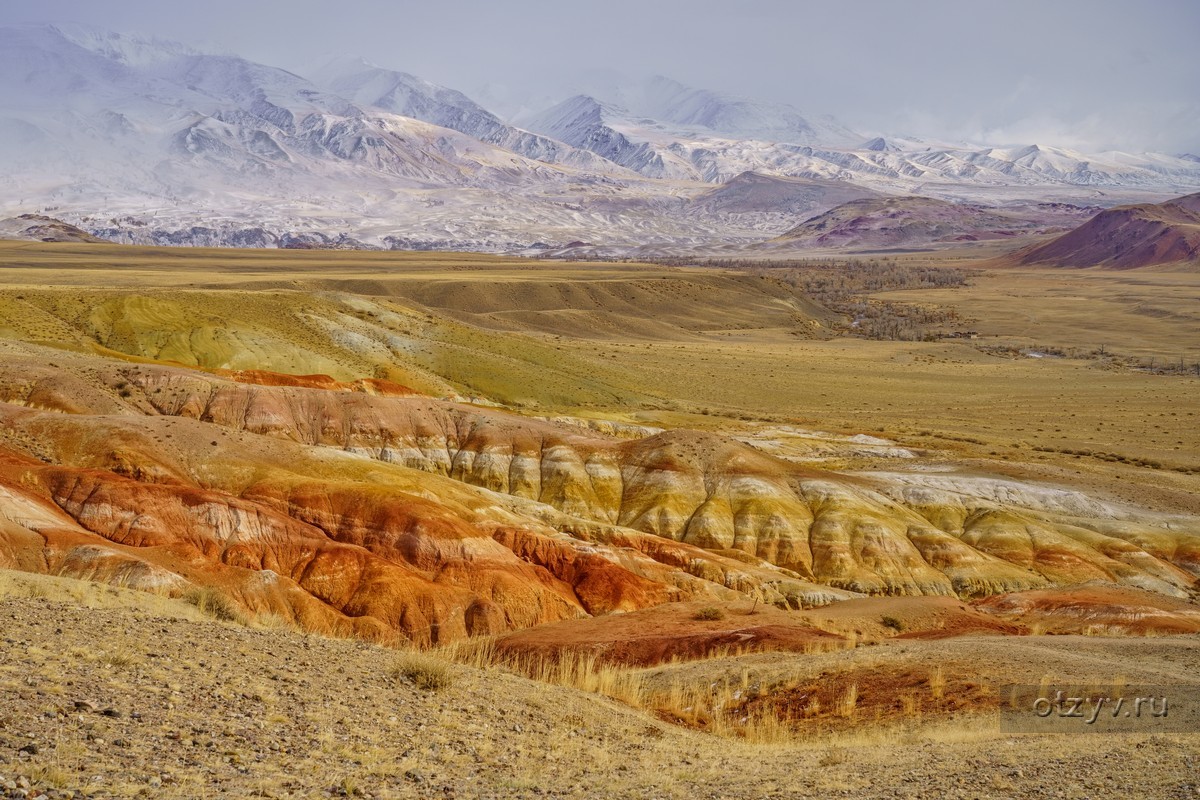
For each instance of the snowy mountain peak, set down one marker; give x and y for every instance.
(684, 109)
(411, 96)
(399, 92)
(672, 102)
(571, 115)
(880, 145)
(123, 48)
(216, 149)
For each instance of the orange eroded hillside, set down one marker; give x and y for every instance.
(386, 514)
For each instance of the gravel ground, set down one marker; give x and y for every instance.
(120, 702)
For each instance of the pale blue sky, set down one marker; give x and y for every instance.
(1097, 74)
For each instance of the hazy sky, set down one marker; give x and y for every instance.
(1086, 73)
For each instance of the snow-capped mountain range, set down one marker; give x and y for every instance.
(138, 139)
(410, 96)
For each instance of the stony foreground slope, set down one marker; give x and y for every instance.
(381, 513)
(170, 708)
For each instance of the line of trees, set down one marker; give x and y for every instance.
(844, 285)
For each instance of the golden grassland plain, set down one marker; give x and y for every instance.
(1137, 313)
(693, 347)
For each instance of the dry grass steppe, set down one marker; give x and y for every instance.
(263, 309)
(635, 507)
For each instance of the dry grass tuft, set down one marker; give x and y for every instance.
(423, 670)
(216, 604)
(585, 672)
(120, 658)
(477, 653)
(49, 775)
(937, 684)
(716, 707)
(274, 622)
(834, 756)
(847, 704)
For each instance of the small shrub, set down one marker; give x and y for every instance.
(422, 671)
(833, 757)
(709, 614)
(119, 659)
(214, 603)
(847, 704)
(49, 775)
(937, 684)
(893, 623)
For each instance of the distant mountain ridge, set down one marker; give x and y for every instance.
(141, 140)
(1128, 237)
(589, 124)
(783, 199)
(675, 104)
(411, 96)
(37, 228)
(901, 221)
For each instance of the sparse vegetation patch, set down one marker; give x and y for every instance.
(423, 670)
(215, 603)
(710, 613)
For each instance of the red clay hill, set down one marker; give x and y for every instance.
(1128, 237)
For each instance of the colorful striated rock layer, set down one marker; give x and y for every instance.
(361, 508)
